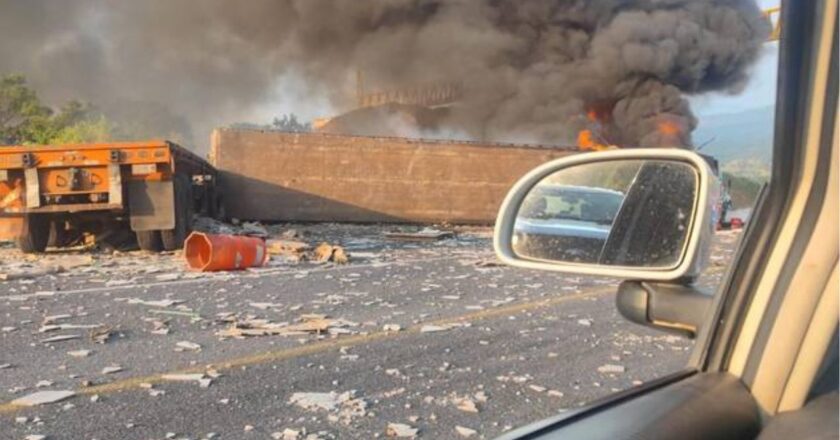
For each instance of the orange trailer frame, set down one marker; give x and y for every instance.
(105, 181)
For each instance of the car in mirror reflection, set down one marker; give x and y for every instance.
(566, 222)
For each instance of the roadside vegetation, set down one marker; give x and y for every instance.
(25, 119)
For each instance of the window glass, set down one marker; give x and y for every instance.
(345, 162)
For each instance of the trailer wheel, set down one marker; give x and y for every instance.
(174, 238)
(35, 233)
(149, 240)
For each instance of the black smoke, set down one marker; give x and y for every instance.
(530, 70)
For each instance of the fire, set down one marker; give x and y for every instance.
(599, 114)
(668, 128)
(586, 141)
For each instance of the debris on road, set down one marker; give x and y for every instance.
(60, 338)
(101, 334)
(112, 369)
(29, 273)
(401, 430)
(466, 405)
(184, 377)
(425, 234)
(537, 388)
(312, 323)
(465, 432)
(187, 345)
(326, 252)
(43, 398)
(431, 328)
(254, 229)
(611, 369)
(53, 327)
(155, 303)
(287, 434)
(290, 249)
(343, 406)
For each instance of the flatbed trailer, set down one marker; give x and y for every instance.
(52, 194)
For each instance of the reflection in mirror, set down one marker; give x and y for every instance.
(633, 213)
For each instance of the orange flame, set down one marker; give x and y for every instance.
(668, 128)
(586, 141)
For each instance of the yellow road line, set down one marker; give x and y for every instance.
(324, 346)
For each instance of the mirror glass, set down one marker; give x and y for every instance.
(632, 213)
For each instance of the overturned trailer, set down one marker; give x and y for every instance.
(280, 176)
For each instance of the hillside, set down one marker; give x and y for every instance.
(745, 137)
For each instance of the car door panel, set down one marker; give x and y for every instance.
(703, 406)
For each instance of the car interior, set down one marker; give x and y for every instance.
(765, 363)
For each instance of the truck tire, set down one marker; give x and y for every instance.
(34, 234)
(174, 238)
(149, 240)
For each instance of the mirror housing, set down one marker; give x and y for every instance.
(670, 307)
(694, 254)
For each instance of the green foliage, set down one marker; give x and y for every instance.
(25, 120)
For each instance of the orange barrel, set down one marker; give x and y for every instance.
(208, 252)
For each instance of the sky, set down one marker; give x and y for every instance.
(760, 91)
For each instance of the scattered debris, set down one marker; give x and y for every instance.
(391, 327)
(431, 328)
(25, 274)
(112, 369)
(288, 248)
(466, 405)
(585, 322)
(167, 277)
(465, 432)
(60, 338)
(487, 263)
(611, 369)
(184, 377)
(312, 323)
(187, 345)
(254, 229)
(326, 252)
(287, 434)
(53, 327)
(343, 406)
(157, 303)
(101, 334)
(537, 388)
(43, 398)
(425, 234)
(400, 430)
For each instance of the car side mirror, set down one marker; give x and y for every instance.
(636, 214)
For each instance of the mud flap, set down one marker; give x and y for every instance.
(151, 205)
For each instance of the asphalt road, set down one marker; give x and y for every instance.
(516, 345)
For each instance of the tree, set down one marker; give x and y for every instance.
(20, 109)
(25, 120)
(290, 123)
